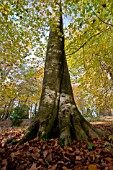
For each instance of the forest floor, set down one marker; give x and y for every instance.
(95, 154)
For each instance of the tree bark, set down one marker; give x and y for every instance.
(58, 115)
(8, 109)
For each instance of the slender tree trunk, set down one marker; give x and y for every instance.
(58, 115)
(35, 109)
(8, 110)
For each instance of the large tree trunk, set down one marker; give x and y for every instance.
(58, 115)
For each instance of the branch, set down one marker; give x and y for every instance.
(85, 43)
(102, 20)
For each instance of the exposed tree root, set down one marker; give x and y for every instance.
(67, 128)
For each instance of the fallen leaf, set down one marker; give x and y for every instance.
(108, 159)
(4, 168)
(60, 163)
(65, 168)
(92, 167)
(45, 153)
(12, 156)
(17, 153)
(33, 167)
(110, 167)
(49, 157)
(4, 162)
(41, 161)
(54, 167)
(78, 158)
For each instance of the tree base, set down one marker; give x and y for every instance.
(77, 129)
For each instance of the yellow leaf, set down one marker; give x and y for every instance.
(92, 167)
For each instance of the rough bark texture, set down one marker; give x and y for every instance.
(58, 115)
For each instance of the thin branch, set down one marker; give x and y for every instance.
(85, 43)
(102, 20)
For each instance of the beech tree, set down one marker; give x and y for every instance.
(58, 115)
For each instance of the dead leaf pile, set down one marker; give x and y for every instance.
(95, 154)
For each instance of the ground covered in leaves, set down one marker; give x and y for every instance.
(95, 154)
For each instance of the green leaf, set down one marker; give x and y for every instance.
(106, 143)
(110, 137)
(90, 146)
